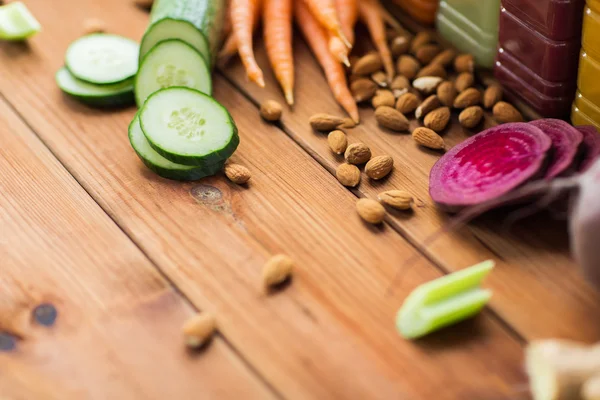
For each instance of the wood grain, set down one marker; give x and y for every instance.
(331, 333)
(117, 332)
(535, 274)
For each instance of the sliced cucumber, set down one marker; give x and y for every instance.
(172, 63)
(196, 22)
(118, 94)
(16, 22)
(102, 58)
(188, 127)
(161, 165)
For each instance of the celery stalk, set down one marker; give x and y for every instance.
(444, 301)
(16, 22)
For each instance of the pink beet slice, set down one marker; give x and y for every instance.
(488, 165)
(591, 146)
(565, 145)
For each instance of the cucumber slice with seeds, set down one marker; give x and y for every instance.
(160, 165)
(172, 63)
(118, 94)
(188, 127)
(103, 58)
(16, 22)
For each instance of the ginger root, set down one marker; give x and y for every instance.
(563, 370)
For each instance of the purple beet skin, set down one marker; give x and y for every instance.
(566, 141)
(591, 146)
(488, 165)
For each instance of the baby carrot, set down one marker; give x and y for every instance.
(277, 22)
(339, 50)
(371, 16)
(316, 37)
(242, 20)
(326, 14)
(229, 48)
(348, 14)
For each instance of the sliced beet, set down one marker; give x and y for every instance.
(591, 146)
(488, 165)
(565, 145)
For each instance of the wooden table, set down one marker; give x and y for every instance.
(124, 257)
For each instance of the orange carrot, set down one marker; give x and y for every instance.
(370, 14)
(326, 14)
(316, 37)
(277, 22)
(242, 12)
(348, 14)
(229, 48)
(338, 49)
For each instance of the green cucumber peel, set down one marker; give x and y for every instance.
(17, 22)
(444, 301)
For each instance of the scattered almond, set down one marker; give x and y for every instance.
(505, 112)
(464, 63)
(438, 119)
(370, 211)
(367, 64)
(198, 329)
(468, 98)
(390, 34)
(380, 78)
(426, 53)
(93, 25)
(407, 103)
(428, 138)
(271, 110)
(237, 173)
(379, 167)
(446, 93)
(427, 106)
(470, 117)
(348, 175)
(357, 153)
(383, 98)
(427, 84)
(399, 45)
(363, 89)
(433, 70)
(464, 81)
(277, 270)
(391, 118)
(445, 58)
(492, 95)
(408, 66)
(420, 39)
(397, 199)
(400, 82)
(325, 122)
(145, 4)
(338, 142)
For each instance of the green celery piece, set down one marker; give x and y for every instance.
(17, 22)
(444, 301)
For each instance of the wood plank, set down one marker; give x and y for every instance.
(535, 274)
(117, 333)
(331, 333)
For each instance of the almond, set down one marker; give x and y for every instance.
(379, 167)
(400, 82)
(198, 329)
(438, 119)
(408, 66)
(399, 92)
(391, 118)
(277, 270)
(470, 117)
(370, 211)
(363, 89)
(428, 138)
(468, 98)
(427, 106)
(357, 153)
(367, 64)
(380, 78)
(397, 199)
(407, 103)
(492, 95)
(464, 81)
(271, 111)
(505, 112)
(445, 58)
(433, 70)
(427, 52)
(325, 122)
(338, 142)
(420, 39)
(464, 63)
(93, 25)
(383, 98)
(348, 175)
(446, 93)
(237, 173)
(427, 84)
(399, 45)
